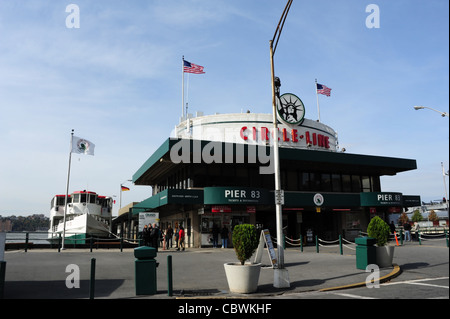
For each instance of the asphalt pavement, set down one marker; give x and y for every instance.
(199, 273)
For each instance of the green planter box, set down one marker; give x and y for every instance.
(365, 252)
(145, 270)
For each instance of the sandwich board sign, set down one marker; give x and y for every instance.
(265, 239)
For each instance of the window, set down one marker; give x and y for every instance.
(326, 182)
(356, 184)
(346, 183)
(292, 181)
(336, 182)
(315, 179)
(366, 184)
(304, 182)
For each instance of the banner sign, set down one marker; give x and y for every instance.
(236, 195)
(147, 218)
(381, 199)
(220, 209)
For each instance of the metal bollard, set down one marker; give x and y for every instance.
(301, 243)
(26, 241)
(92, 283)
(2, 278)
(446, 237)
(59, 243)
(169, 276)
(340, 245)
(317, 244)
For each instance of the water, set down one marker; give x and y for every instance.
(33, 237)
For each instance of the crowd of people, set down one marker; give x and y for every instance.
(152, 236)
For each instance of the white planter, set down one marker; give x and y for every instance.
(384, 256)
(242, 279)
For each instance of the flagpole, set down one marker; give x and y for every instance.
(182, 88)
(67, 190)
(187, 95)
(318, 108)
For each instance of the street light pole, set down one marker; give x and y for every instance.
(443, 114)
(281, 275)
(445, 188)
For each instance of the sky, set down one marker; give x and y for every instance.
(116, 80)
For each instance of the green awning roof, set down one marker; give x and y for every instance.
(159, 164)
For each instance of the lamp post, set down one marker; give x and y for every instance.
(443, 114)
(281, 276)
(445, 188)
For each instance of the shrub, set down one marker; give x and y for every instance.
(379, 230)
(245, 241)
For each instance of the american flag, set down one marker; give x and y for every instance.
(322, 89)
(193, 68)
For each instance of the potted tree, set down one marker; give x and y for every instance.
(380, 230)
(243, 277)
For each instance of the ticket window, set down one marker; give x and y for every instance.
(208, 223)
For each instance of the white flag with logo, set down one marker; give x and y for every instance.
(82, 146)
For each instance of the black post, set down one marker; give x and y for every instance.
(2, 278)
(92, 283)
(169, 276)
(26, 241)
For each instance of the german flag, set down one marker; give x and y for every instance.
(124, 188)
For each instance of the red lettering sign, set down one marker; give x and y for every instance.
(285, 135)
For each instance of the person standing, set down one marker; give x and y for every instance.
(215, 235)
(407, 228)
(155, 236)
(177, 236)
(416, 230)
(181, 239)
(149, 235)
(224, 234)
(144, 235)
(169, 235)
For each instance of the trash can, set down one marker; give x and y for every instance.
(145, 270)
(365, 252)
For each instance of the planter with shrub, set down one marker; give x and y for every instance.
(380, 230)
(243, 277)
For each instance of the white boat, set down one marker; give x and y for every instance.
(88, 215)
